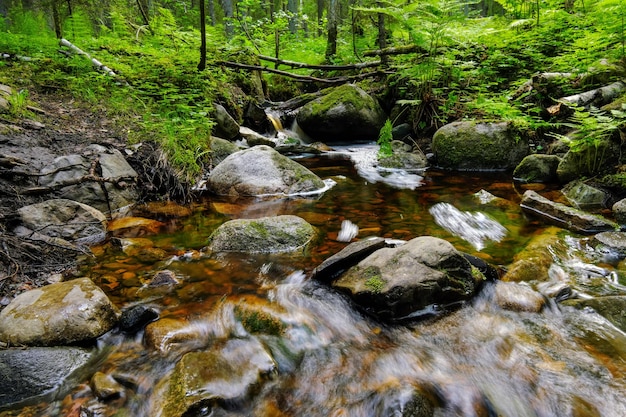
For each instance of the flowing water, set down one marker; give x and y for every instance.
(331, 360)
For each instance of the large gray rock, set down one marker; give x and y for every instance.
(117, 192)
(58, 314)
(619, 211)
(265, 235)
(35, 375)
(565, 216)
(413, 279)
(62, 219)
(226, 374)
(470, 145)
(261, 171)
(221, 149)
(345, 114)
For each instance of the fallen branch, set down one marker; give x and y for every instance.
(302, 78)
(398, 50)
(346, 67)
(99, 65)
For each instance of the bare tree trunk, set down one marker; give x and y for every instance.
(320, 16)
(56, 18)
(333, 17)
(142, 11)
(212, 12)
(292, 8)
(227, 5)
(202, 63)
(382, 35)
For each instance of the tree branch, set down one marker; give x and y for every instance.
(399, 50)
(294, 64)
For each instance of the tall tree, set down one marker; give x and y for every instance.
(227, 6)
(292, 9)
(333, 22)
(320, 16)
(202, 63)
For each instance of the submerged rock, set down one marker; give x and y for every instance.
(62, 219)
(58, 314)
(224, 376)
(32, 375)
(345, 114)
(613, 308)
(533, 262)
(422, 275)
(285, 233)
(261, 171)
(565, 216)
(470, 145)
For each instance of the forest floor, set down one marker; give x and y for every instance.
(58, 126)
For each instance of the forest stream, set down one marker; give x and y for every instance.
(320, 355)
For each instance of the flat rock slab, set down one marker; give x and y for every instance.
(36, 374)
(349, 256)
(611, 243)
(564, 216)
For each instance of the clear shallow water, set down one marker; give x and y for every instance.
(331, 360)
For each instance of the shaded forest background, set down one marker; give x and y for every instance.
(168, 62)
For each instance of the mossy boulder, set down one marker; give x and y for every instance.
(221, 149)
(585, 196)
(537, 168)
(345, 114)
(613, 308)
(471, 145)
(412, 280)
(58, 314)
(264, 235)
(225, 125)
(589, 159)
(260, 171)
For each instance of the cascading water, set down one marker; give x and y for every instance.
(316, 354)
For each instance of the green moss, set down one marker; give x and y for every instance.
(259, 322)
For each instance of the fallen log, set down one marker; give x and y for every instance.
(99, 65)
(302, 78)
(398, 50)
(597, 97)
(345, 67)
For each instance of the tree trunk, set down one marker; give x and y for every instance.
(212, 12)
(320, 16)
(227, 5)
(292, 9)
(202, 63)
(142, 10)
(333, 17)
(382, 35)
(56, 18)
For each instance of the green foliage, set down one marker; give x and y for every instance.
(18, 103)
(375, 284)
(384, 140)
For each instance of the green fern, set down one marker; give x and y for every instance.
(384, 140)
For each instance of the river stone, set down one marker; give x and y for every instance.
(225, 126)
(533, 262)
(137, 317)
(168, 334)
(565, 216)
(610, 243)
(345, 114)
(226, 375)
(470, 145)
(349, 256)
(619, 211)
(281, 234)
(37, 374)
(261, 171)
(423, 274)
(58, 314)
(105, 387)
(613, 308)
(119, 192)
(518, 297)
(64, 219)
(404, 160)
(537, 168)
(585, 196)
(220, 149)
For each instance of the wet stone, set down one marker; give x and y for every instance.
(162, 278)
(137, 317)
(347, 257)
(518, 297)
(610, 243)
(105, 387)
